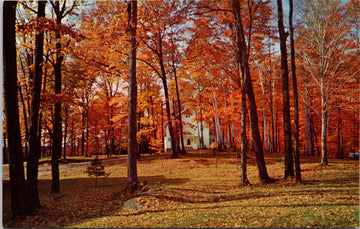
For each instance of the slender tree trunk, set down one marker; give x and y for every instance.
(183, 150)
(307, 120)
(65, 131)
(265, 131)
(219, 133)
(25, 117)
(162, 129)
(132, 178)
(17, 176)
(340, 151)
(245, 71)
(324, 123)
(295, 91)
(289, 167)
(83, 134)
(167, 101)
(202, 145)
(274, 119)
(35, 147)
(87, 130)
(272, 139)
(42, 149)
(176, 128)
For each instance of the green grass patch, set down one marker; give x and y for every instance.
(192, 192)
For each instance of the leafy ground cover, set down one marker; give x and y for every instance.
(194, 192)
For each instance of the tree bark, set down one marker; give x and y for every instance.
(17, 176)
(324, 124)
(295, 91)
(307, 119)
(65, 131)
(289, 167)
(243, 146)
(33, 200)
(25, 117)
(57, 125)
(132, 178)
(340, 151)
(183, 150)
(167, 100)
(245, 71)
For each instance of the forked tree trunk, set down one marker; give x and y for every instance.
(169, 120)
(17, 176)
(57, 125)
(132, 178)
(183, 150)
(245, 71)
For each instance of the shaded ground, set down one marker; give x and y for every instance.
(192, 192)
(65, 165)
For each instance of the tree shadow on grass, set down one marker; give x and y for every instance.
(78, 201)
(239, 206)
(348, 181)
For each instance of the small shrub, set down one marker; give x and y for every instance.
(96, 169)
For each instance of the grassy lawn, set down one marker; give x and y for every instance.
(193, 192)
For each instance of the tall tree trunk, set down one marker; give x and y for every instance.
(274, 118)
(265, 131)
(132, 178)
(87, 131)
(245, 71)
(60, 13)
(162, 129)
(42, 149)
(272, 139)
(324, 125)
(244, 179)
(57, 125)
(295, 91)
(35, 147)
(176, 127)
(65, 131)
(307, 120)
(17, 176)
(167, 100)
(289, 167)
(202, 145)
(83, 134)
(183, 150)
(25, 117)
(340, 151)
(218, 129)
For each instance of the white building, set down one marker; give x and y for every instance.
(192, 134)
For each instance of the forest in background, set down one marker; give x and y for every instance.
(198, 62)
(187, 63)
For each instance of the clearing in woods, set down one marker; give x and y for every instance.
(194, 192)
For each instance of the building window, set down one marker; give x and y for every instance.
(189, 142)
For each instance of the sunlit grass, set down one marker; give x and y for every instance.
(195, 192)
